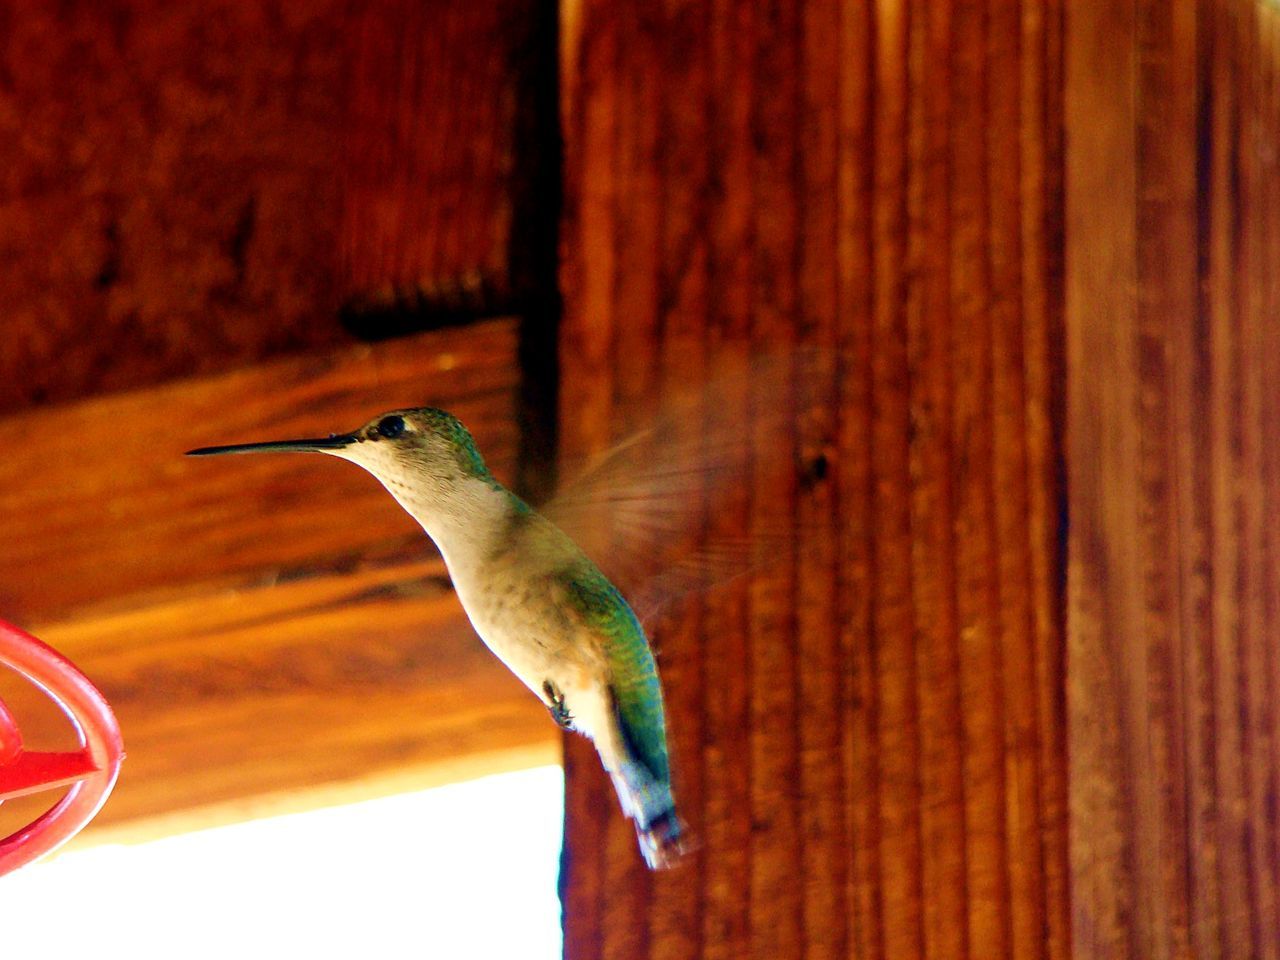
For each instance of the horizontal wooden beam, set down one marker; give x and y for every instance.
(100, 505)
(239, 700)
(262, 626)
(379, 161)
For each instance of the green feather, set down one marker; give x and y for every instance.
(635, 675)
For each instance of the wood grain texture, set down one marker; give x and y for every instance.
(868, 734)
(170, 179)
(263, 625)
(441, 176)
(192, 187)
(1170, 331)
(243, 701)
(84, 484)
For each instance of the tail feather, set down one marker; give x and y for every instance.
(664, 842)
(662, 835)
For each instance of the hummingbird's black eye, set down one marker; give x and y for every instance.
(391, 427)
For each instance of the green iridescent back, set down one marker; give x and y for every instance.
(635, 675)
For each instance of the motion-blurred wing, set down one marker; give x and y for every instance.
(651, 511)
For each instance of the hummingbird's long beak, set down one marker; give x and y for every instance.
(333, 442)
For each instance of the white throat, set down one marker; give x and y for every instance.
(463, 515)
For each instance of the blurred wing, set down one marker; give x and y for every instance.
(667, 511)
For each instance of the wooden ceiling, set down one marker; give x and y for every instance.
(190, 188)
(1012, 692)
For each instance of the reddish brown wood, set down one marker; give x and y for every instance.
(436, 172)
(858, 210)
(725, 925)
(854, 490)
(820, 688)
(1042, 216)
(934, 192)
(1171, 478)
(898, 884)
(107, 477)
(681, 253)
(265, 628)
(191, 187)
(260, 698)
(169, 185)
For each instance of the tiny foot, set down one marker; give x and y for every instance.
(555, 704)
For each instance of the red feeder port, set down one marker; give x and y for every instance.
(87, 774)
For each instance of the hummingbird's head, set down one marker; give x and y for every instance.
(421, 450)
(418, 445)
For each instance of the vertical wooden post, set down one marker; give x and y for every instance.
(1171, 310)
(868, 736)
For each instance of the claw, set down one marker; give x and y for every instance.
(555, 704)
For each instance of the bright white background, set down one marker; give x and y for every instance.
(467, 870)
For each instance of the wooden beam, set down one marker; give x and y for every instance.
(263, 627)
(102, 506)
(180, 200)
(247, 700)
(867, 736)
(449, 175)
(209, 200)
(1173, 479)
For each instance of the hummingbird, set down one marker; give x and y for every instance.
(533, 596)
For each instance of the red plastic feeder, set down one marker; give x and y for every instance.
(89, 772)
